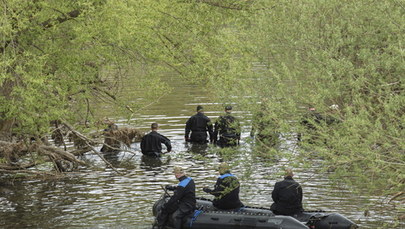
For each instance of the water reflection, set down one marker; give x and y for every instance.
(200, 149)
(106, 199)
(112, 158)
(153, 162)
(101, 198)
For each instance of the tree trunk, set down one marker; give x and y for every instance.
(5, 130)
(6, 124)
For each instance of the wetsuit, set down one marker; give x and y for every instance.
(151, 144)
(266, 128)
(112, 144)
(311, 120)
(198, 125)
(226, 192)
(287, 197)
(228, 128)
(181, 204)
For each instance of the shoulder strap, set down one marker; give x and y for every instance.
(184, 182)
(226, 175)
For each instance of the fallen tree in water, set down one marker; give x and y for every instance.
(114, 137)
(59, 62)
(21, 156)
(28, 156)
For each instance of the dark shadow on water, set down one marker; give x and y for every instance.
(196, 148)
(120, 159)
(153, 162)
(113, 158)
(35, 201)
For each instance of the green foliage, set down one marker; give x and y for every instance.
(333, 52)
(61, 57)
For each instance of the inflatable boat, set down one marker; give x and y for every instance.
(207, 217)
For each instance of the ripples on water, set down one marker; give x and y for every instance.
(104, 199)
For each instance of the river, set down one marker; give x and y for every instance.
(98, 197)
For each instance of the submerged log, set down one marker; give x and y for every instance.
(13, 152)
(24, 155)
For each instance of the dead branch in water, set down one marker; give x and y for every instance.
(12, 152)
(89, 144)
(114, 137)
(27, 172)
(23, 156)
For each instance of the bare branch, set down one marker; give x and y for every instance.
(81, 136)
(65, 17)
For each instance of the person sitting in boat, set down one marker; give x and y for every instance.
(287, 196)
(181, 204)
(151, 144)
(226, 190)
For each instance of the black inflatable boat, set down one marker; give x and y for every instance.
(214, 219)
(207, 217)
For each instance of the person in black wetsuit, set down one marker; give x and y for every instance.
(314, 124)
(111, 143)
(198, 125)
(287, 196)
(181, 204)
(228, 128)
(332, 117)
(310, 121)
(265, 125)
(151, 144)
(226, 190)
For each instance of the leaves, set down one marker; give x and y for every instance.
(61, 58)
(59, 55)
(346, 53)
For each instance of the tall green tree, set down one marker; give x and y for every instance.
(60, 57)
(348, 53)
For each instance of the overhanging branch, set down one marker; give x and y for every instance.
(46, 24)
(65, 17)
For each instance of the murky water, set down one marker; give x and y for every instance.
(102, 198)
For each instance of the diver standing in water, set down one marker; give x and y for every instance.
(228, 128)
(198, 125)
(151, 144)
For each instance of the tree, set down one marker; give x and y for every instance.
(59, 58)
(335, 52)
